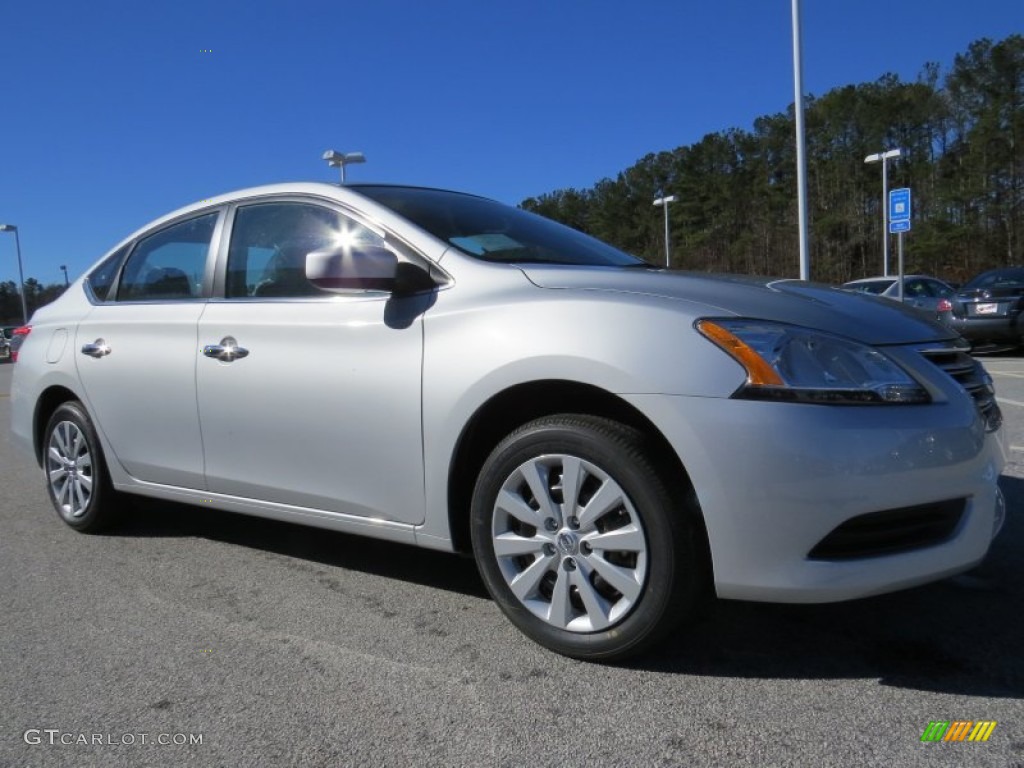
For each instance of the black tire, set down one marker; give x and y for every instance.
(559, 612)
(75, 471)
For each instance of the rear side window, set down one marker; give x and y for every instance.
(917, 289)
(101, 279)
(169, 265)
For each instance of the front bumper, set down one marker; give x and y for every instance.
(775, 479)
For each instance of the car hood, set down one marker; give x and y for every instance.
(864, 318)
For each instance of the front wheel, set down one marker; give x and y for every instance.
(587, 547)
(76, 476)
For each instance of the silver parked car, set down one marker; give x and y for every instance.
(921, 291)
(612, 442)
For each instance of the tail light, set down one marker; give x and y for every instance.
(944, 305)
(17, 339)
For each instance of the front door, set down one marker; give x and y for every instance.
(318, 406)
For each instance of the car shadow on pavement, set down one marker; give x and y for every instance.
(962, 635)
(153, 518)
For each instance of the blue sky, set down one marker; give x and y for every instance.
(115, 113)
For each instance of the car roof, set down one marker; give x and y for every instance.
(322, 188)
(343, 193)
(891, 278)
(1000, 270)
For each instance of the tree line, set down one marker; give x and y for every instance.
(36, 295)
(962, 136)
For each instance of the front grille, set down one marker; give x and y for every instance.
(891, 531)
(968, 373)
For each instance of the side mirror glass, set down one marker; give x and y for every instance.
(357, 267)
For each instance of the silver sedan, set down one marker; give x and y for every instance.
(921, 291)
(612, 442)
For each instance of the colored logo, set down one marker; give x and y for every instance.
(958, 730)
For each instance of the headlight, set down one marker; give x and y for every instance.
(785, 362)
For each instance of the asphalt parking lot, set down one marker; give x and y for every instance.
(194, 637)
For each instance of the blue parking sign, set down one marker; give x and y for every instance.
(899, 210)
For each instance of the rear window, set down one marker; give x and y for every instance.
(1002, 278)
(875, 286)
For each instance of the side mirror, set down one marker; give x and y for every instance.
(355, 267)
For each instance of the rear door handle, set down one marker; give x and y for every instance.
(98, 348)
(226, 351)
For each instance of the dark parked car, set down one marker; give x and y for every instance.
(987, 310)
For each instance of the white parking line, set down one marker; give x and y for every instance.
(1004, 401)
(1017, 448)
(1007, 373)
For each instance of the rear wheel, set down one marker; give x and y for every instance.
(587, 547)
(76, 475)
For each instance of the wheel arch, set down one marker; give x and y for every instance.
(49, 401)
(522, 403)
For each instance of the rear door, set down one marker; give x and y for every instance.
(136, 354)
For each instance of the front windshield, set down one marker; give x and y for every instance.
(999, 278)
(491, 231)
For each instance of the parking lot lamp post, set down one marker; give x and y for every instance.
(64, 269)
(21, 272)
(884, 158)
(801, 150)
(339, 160)
(663, 202)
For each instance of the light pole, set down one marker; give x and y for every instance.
(21, 272)
(884, 158)
(801, 154)
(663, 202)
(64, 269)
(339, 160)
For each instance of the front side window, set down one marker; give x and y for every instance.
(269, 243)
(169, 265)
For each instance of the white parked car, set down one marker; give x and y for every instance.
(612, 442)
